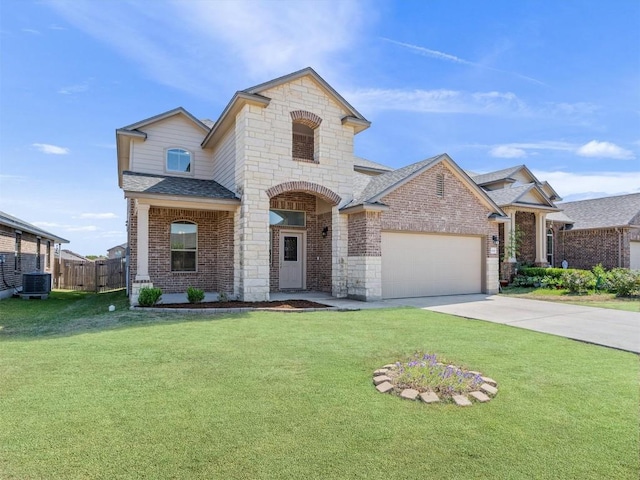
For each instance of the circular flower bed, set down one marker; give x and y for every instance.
(423, 376)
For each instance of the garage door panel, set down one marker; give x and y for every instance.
(416, 265)
(635, 255)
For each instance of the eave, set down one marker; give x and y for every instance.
(179, 201)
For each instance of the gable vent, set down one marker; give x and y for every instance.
(440, 185)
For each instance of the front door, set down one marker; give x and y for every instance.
(292, 260)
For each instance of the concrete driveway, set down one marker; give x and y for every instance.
(611, 328)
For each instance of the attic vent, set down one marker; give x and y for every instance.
(440, 185)
(36, 284)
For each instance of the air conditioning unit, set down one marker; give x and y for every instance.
(36, 285)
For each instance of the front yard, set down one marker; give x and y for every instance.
(89, 394)
(602, 300)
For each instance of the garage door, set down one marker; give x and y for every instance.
(635, 256)
(416, 265)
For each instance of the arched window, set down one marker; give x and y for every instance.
(550, 247)
(305, 130)
(184, 246)
(178, 160)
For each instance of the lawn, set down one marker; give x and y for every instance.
(289, 395)
(602, 300)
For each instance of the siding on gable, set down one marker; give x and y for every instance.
(149, 156)
(224, 161)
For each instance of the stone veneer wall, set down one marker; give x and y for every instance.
(214, 256)
(318, 249)
(526, 223)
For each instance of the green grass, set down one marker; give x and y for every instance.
(602, 300)
(271, 395)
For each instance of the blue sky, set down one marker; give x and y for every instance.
(553, 85)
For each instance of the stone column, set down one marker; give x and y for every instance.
(339, 239)
(142, 273)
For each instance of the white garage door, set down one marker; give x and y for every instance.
(635, 256)
(416, 265)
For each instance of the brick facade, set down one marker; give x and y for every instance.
(588, 247)
(364, 234)
(214, 258)
(526, 224)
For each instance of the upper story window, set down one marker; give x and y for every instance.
(184, 246)
(304, 144)
(178, 160)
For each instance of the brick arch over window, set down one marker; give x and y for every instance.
(308, 187)
(309, 119)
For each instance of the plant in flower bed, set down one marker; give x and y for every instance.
(423, 372)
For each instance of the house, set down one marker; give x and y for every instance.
(601, 230)
(270, 197)
(68, 255)
(119, 251)
(24, 248)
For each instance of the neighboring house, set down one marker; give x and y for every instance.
(601, 230)
(24, 248)
(270, 197)
(68, 255)
(119, 251)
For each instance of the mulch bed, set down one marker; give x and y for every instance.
(283, 304)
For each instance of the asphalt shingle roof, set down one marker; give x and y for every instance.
(363, 162)
(503, 174)
(380, 183)
(14, 222)
(507, 196)
(602, 212)
(168, 185)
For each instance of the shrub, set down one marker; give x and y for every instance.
(526, 281)
(551, 282)
(602, 277)
(195, 295)
(578, 281)
(149, 296)
(542, 272)
(624, 282)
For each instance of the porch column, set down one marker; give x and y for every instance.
(142, 273)
(509, 230)
(541, 239)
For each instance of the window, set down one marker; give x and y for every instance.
(178, 160)
(287, 218)
(303, 142)
(184, 242)
(47, 255)
(18, 252)
(550, 247)
(38, 257)
(440, 185)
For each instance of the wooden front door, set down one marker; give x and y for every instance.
(292, 260)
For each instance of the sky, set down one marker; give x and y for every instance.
(552, 85)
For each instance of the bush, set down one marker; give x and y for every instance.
(149, 296)
(542, 272)
(624, 282)
(195, 295)
(579, 281)
(551, 282)
(526, 281)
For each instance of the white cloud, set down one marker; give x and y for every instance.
(610, 183)
(47, 224)
(86, 228)
(506, 151)
(100, 216)
(31, 31)
(71, 89)
(50, 149)
(604, 150)
(187, 44)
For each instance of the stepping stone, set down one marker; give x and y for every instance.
(481, 397)
(461, 400)
(409, 394)
(490, 389)
(429, 397)
(389, 366)
(474, 372)
(490, 381)
(380, 371)
(380, 379)
(384, 387)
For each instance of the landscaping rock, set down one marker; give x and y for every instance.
(481, 397)
(490, 389)
(384, 387)
(490, 381)
(409, 394)
(389, 366)
(380, 379)
(461, 400)
(474, 372)
(380, 371)
(429, 397)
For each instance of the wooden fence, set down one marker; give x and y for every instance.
(97, 276)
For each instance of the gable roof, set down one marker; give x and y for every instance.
(606, 212)
(253, 95)
(18, 224)
(517, 196)
(360, 163)
(177, 186)
(506, 174)
(377, 187)
(163, 116)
